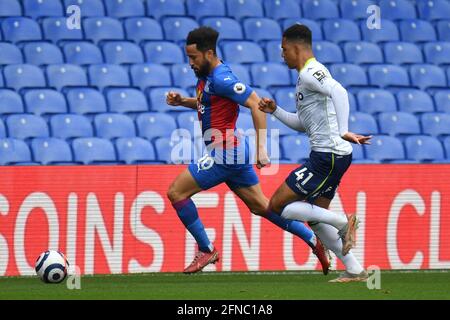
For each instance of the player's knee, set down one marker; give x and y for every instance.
(275, 206)
(173, 195)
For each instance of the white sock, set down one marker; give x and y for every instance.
(330, 238)
(307, 212)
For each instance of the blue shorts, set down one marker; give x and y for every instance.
(208, 174)
(319, 176)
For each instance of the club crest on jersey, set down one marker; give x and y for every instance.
(239, 88)
(319, 75)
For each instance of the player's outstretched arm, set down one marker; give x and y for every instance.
(288, 118)
(175, 99)
(260, 124)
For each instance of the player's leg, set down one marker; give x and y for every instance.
(197, 177)
(330, 238)
(257, 203)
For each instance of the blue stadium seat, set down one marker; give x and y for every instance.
(441, 100)
(24, 126)
(242, 52)
(229, 29)
(160, 8)
(125, 9)
(154, 124)
(113, 125)
(14, 151)
(262, 93)
(341, 30)
(278, 10)
(320, 9)
(102, 28)
(427, 75)
(327, 52)
(11, 102)
(10, 54)
(285, 97)
(313, 25)
(385, 75)
(122, 52)
(358, 154)
(435, 123)
(241, 72)
(239, 9)
(362, 53)
(376, 100)
(82, 53)
(443, 28)
(2, 129)
(177, 28)
(273, 51)
(19, 76)
(51, 151)
(269, 74)
(142, 28)
(189, 121)
(434, 9)
(108, 75)
(202, 8)
(402, 53)
(70, 126)
(150, 75)
(397, 9)
(437, 52)
(135, 150)
(385, 148)
(93, 150)
(423, 148)
(65, 75)
(17, 29)
(388, 32)
(86, 101)
(295, 147)
(164, 52)
(181, 151)
(45, 101)
(417, 31)
(55, 29)
(414, 101)
(157, 98)
(261, 29)
(349, 74)
(398, 123)
(183, 76)
(42, 53)
(362, 123)
(43, 8)
(244, 122)
(352, 102)
(355, 9)
(126, 100)
(10, 8)
(89, 8)
(447, 146)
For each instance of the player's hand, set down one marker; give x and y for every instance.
(262, 158)
(356, 138)
(267, 105)
(174, 99)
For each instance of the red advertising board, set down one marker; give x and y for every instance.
(117, 219)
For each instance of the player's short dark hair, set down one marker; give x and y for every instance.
(299, 33)
(204, 37)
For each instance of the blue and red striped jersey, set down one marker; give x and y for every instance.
(218, 98)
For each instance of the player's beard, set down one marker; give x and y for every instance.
(203, 71)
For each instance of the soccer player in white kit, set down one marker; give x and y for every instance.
(322, 113)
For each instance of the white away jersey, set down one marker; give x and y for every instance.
(316, 111)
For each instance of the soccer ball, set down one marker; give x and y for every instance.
(51, 266)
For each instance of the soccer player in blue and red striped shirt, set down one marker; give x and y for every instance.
(219, 94)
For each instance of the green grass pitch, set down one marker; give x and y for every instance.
(234, 286)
